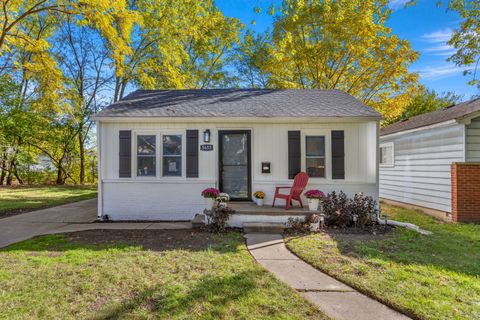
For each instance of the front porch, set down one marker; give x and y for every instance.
(250, 208)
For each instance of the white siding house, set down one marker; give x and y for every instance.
(160, 184)
(416, 167)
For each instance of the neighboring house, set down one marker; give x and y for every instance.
(159, 149)
(43, 163)
(416, 157)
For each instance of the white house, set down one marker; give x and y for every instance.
(159, 149)
(417, 154)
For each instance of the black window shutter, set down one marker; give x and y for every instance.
(294, 157)
(192, 153)
(338, 154)
(125, 154)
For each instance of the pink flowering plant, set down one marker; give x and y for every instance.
(314, 194)
(210, 193)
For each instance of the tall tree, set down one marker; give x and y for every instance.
(251, 55)
(346, 45)
(83, 61)
(177, 44)
(31, 88)
(426, 101)
(466, 39)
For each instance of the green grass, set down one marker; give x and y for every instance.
(16, 199)
(430, 277)
(53, 277)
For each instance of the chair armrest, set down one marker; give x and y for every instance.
(283, 187)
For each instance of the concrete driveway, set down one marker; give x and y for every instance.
(30, 224)
(77, 216)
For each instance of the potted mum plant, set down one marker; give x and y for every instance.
(223, 199)
(314, 197)
(314, 221)
(210, 194)
(259, 196)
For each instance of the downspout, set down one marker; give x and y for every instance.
(377, 167)
(407, 225)
(99, 171)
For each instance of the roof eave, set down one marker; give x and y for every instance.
(431, 126)
(237, 119)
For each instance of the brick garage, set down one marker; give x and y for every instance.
(465, 192)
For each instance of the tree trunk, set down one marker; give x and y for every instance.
(3, 173)
(60, 180)
(117, 89)
(82, 157)
(9, 178)
(13, 167)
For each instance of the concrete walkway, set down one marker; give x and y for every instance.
(334, 298)
(77, 216)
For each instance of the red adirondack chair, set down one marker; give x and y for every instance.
(299, 183)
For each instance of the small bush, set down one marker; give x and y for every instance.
(217, 218)
(339, 210)
(299, 225)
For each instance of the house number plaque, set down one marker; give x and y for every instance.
(206, 147)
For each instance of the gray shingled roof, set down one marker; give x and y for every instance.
(238, 103)
(450, 113)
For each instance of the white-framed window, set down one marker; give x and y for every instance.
(159, 154)
(146, 155)
(387, 155)
(315, 164)
(172, 155)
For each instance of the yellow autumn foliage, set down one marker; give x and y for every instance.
(345, 45)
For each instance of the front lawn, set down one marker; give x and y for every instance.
(112, 274)
(430, 277)
(25, 198)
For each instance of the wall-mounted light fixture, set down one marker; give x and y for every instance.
(206, 135)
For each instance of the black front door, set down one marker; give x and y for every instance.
(234, 163)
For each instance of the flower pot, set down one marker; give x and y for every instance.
(259, 202)
(209, 203)
(314, 226)
(313, 204)
(223, 204)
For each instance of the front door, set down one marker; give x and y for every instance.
(234, 163)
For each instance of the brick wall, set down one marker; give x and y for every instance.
(465, 192)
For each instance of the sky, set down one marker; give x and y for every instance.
(425, 25)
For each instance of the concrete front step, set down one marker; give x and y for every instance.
(263, 227)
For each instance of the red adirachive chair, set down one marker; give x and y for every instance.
(299, 183)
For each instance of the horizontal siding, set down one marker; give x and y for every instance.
(421, 174)
(473, 141)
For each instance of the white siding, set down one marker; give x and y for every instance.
(179, 198)
(421, 174)
(473, 141)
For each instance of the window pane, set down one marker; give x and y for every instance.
(172, 166)
(386, 155)
(146, 145)
(172, 145)
(315, 167)
(234, 149)
(146, 166)
(235, 181)
(315, 146)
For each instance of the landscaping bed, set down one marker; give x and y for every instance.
(433, 276)
(174, 274)
(19, 199)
